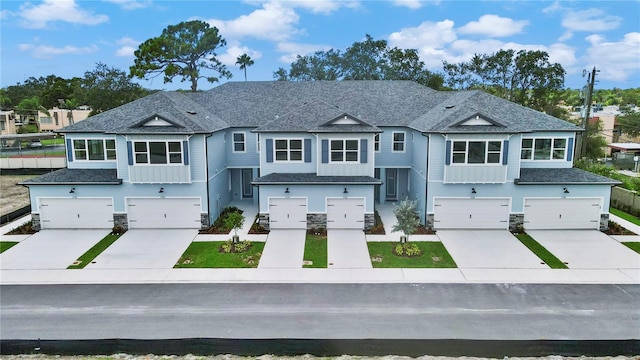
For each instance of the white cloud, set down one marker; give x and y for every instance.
(494, 26)
(48, 52)
(426, 35)
(593, 20)
(617, 60)
(127, 47)
(273, 22)
(131, 4)
(292, 50)
(230, 57)
(39, 16)
(325, 7)
(411, 4)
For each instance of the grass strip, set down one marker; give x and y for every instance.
(633, 245)
(434, 255)
(6, 245)
(96, 250)
(540, 251)
(624, 215)
(206, 254)
(315, 250)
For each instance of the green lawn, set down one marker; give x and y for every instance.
(541, 252)
(57, 141)
(315, 250)
(205, 254)
(6, 245)
(96, 250)
(624, 215)
(434, 255)
(635, 246)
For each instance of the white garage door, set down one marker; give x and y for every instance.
(165, 213)
(471, 213)
(76, 213)
(345, 213)
(562, 213)
(288, 213)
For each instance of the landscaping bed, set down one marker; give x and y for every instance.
(433, 255)
(207, 254)
(220, 226)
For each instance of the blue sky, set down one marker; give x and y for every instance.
(67, 37)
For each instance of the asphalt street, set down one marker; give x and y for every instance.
(320, 311)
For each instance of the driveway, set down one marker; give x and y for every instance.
(488, 249)
(587, 249)
(50, 249)
(284, 249)
(347, 249)
(145, 249)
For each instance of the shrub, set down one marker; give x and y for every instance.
(24, 229)
(407, 250)
(118, 230)
(239, 247)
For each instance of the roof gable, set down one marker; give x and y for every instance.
(478, 119)
(156, 121)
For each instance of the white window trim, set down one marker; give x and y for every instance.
(344, 151)
(404, 141)
(377, 136)
(288, 140)
(86, 144)
(486, 152)
(148, 163)
(533, 144)
(234, 142)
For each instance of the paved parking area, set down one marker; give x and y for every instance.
(347, 249)
(145, 249)
(587, 249)
(488, 249)
(50, 249)
(284, 249)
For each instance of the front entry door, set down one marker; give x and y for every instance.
(392, 184)
(247, 177)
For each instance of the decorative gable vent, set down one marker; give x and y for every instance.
(157, 121)
(345, 120)
(477, 120)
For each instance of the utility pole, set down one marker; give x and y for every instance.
(581, 143)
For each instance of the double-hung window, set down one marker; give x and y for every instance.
(476, 152)
(94, 149)
(376, 142)
(543, 149)
(344, 150)
(288, 150)
(158, 152)
(398, 141)
(239, 144)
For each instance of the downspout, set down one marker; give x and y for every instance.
(206, 176)
(426, 175)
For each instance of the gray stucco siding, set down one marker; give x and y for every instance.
(316, 195)
(276, 166)
(363, 167)
(386, 157)
(247, 158)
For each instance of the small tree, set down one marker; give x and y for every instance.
(234, 220)
(408, 218)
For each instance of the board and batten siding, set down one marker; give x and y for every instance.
(90, 164)
(161, 174)
(362, 167)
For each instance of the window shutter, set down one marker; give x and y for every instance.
(363, 151)
(269, 150)
(130, 152)
(307, 150)
(505, 152)
(69, 151)
(570, 150)
(325, 151)
(447, 156)
(185, 152)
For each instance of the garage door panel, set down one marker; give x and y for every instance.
(345, 213)
(565, 213)
(165, 213)
(464, 213)
(76, 213)
(288, 213)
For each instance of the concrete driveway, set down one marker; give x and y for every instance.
(50, 249)
(347, 249)
(145, 249)
(587, 249)
(488, 249)
(284, 249)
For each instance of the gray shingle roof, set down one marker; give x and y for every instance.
(312, 178)
(76, 177)
(306, 105)
(565, 176)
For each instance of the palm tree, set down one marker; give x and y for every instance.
(244, 60)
